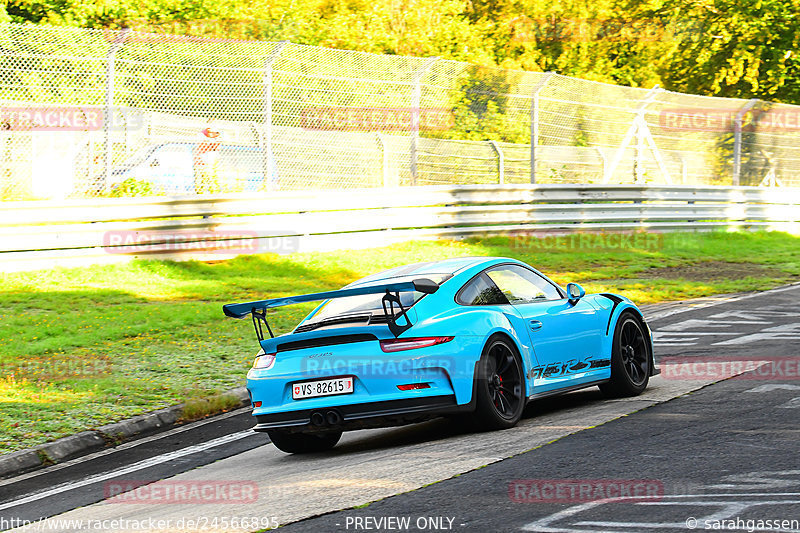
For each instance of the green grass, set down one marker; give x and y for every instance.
(83, 347)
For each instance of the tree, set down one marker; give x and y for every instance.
(734, 48)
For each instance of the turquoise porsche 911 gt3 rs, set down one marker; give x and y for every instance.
(472, 336)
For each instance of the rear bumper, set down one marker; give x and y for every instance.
(362, 415)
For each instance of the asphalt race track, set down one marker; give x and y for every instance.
(696, 451)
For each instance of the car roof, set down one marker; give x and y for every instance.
(451, 266)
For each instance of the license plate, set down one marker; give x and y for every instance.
(322, 387)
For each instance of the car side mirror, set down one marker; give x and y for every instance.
(575, 292)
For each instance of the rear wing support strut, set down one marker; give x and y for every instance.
(260, 320)
(388, 301)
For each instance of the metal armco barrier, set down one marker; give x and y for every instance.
(43, 234)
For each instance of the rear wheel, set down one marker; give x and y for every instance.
(630, 359)
(303, 442)
(501, 391)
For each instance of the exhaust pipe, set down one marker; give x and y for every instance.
(333, 418)
(317, 419)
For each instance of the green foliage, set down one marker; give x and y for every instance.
(131, 187)
(714, 47)
(735, 48)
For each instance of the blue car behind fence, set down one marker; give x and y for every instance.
(466, 336)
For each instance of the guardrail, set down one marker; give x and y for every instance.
(79, 232)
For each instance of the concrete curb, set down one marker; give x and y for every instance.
(108, 435)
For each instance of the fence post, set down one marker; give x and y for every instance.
(119, 40)
(267, 158)
(6, 190)
(638, 171)
(535, 120)
(384, 159)
(501, 178)
(416, 98)
(684, 171)
(737, 140)
(603, 160)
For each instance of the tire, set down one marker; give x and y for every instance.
(500, 388)
(630, 359)
(304, 442)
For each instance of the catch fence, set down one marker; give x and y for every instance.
(91, 112)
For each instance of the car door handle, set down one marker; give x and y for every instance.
(535, 324)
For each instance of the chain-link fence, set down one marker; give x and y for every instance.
(121, 113)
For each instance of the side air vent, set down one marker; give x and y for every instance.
(325, 341)
(617, 300)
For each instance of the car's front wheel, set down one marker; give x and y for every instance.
(630, 359)
(501, 391)
(303, 442)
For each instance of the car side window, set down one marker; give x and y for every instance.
(521, 285)
(481, 291)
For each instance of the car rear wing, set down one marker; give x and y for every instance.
(258, 309)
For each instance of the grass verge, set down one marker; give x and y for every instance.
(80, 348)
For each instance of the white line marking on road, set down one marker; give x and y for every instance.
(750, 313)
(781, 331)
(153, 461)
(685, 325)
(661, 333)
(683, 338)
(671, 312)
(762, 480)
(124, 446)
(662, 343)
(544, 524)
(726, 511)
(773, 386)
(794, 403)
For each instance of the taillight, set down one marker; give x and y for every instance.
(398, 345)
(414, 386)
(264, 360)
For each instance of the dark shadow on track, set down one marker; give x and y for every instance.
(444, 428)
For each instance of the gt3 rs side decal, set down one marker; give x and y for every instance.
(570, 367)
